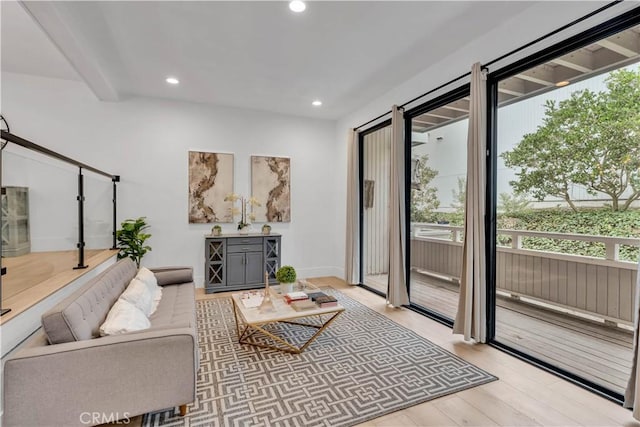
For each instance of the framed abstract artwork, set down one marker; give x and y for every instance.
(271, 186)
(210, 180)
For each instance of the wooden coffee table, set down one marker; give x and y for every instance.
(251, 321)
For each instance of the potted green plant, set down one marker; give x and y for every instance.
(131, 238)
(216, 230)
(286, 275)
(266, 229)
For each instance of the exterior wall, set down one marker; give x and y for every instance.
(377, 168)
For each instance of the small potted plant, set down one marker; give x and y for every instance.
(286, 275)
(266, 229)
(216, 230)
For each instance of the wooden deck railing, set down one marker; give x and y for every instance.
(604, 287)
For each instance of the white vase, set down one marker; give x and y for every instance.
(244, 230)
(285, 288)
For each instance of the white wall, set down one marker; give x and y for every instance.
(146, 141)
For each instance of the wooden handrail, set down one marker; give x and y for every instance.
(612, 243)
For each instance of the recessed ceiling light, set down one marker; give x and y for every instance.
(316, 103)
(562, 83)
(172, 80)
(297, 6)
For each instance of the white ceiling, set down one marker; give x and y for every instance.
(255, 55)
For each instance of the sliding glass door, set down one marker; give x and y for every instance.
(437, 195)
(375, 173)
(568, 209)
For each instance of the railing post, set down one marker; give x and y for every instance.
(115, 180)
(612, 250)
(3, 270)
(80, 199)
(456, 235)
(516, 241)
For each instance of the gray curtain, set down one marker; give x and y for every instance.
(472, 305)
(396, 288)
(631, 397)
(352, 252)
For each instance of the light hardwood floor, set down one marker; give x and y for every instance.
(31, 278)
(523, 396)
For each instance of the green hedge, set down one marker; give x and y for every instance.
(599, 222)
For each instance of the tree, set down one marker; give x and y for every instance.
(460, 195)
(590, 139)
(512, 204)
(424, 199)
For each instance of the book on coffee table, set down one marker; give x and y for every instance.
(252, 301)
(295, 296)
(313, 295)
(326, 301)
(305, 304)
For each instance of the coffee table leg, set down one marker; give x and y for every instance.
(290, 348)
(319, 331)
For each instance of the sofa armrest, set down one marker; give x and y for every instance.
(116, 376)
(173, 275)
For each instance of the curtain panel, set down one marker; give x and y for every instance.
(397, 288)
(471, 318)
(352, 247)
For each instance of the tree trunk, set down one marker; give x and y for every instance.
(571, 205)
(614, 203)
(635, 196)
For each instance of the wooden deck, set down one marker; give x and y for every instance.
(597, 352)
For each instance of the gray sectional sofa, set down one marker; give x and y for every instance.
(66, 374)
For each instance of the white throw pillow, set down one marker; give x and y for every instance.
(124, 317)
(138, 294)
(148, 278)
(155, 301)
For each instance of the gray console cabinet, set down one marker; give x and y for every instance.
(239, 261)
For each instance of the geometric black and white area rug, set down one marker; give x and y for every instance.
(361, 367)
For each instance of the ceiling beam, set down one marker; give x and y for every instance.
(50, 19)
(509, 91)
(454, 108)
(439, 116)
(535, 79)
(415, 120)
(564, 62)
(617, 48)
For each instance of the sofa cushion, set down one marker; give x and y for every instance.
(173, 275)
(176, 309)
(122, 318)
(79, 316)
